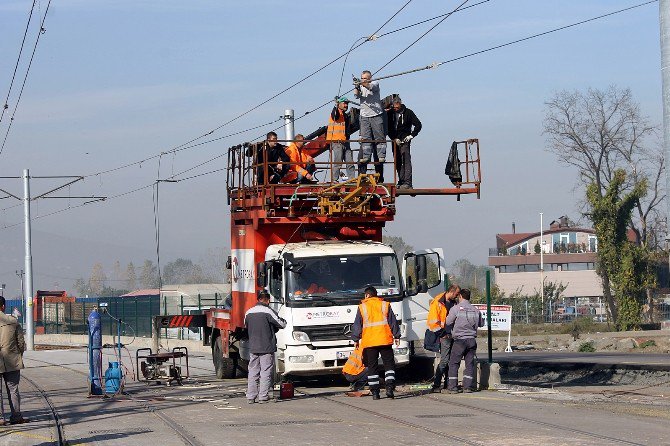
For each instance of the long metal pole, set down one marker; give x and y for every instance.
(664, 16)
(30, 323)
(488, 314)
(542, 266)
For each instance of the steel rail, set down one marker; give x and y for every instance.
(60, 431)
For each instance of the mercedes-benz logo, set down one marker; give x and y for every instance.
(346, 330)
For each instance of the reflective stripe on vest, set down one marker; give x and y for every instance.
(336, 129)
(354, 364)
(376, 329)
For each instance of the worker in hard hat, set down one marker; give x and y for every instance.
(375, 330)
(337, 134)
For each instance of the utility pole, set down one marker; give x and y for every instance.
(288, 124)
(664, 15)
(28, 267)
(23, 297)
(542, 265)
(30, 323)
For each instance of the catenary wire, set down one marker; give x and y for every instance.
(407, 72)
(189, 145)
(18, 59)
(25, 78)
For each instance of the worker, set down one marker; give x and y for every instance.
(262, 324)
(12, 346)
(372, 125)
(403, 126)
(375, 330)
(337, 136)
(463, 320)
(437, 321)
(277, 159)
(355, 371)
(302, 165)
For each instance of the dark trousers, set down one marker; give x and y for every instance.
(12, 385)
(379, 167)
(443, 366)
(371, 355)
(358, 381)
(462, 348)
(403, 164)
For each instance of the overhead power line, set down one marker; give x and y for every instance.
(25, 78)
(18, 59)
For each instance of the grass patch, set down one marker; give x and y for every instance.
(648, 343)
(586, 347)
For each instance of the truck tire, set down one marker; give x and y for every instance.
(225, 367)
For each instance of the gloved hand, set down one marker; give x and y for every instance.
(397, 142)
(407, 139)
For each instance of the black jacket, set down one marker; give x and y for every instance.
(275, 154)
(403, 127)
(262, 323)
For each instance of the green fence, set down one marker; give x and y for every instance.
(135, 312)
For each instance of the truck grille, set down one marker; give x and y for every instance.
(335, 332)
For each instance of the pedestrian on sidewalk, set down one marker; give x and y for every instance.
(463, 320)
(12, 346)
(262, 324)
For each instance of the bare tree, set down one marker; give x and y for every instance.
(598, 132)
(98, 279)
(131, 277)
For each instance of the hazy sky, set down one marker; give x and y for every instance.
(115, 82)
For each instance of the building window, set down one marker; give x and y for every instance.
(579, 266)
(593, 243)
(535, 268)
(551, 266)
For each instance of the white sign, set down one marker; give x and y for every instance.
(501, 316)
(243, 267)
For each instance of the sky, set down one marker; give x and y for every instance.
(116, 82)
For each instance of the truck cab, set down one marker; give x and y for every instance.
(317, 287)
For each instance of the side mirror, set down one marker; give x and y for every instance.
(262, 274)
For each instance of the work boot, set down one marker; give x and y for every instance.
(375, 394)
(389, 392)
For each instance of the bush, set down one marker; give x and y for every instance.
(648, 343)
(587, 347)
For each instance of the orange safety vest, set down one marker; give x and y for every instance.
(437, 313)
(299, 161)
(376, 329)
(354, 364)
(336, 128)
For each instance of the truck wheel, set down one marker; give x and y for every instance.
(224, 367)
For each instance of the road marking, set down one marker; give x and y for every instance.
(28, 435)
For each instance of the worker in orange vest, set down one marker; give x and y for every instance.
(375, 330)
(354, 370)
(302, 166)
(437, 318)
(337, 135)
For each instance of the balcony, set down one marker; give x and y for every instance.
(570, 248)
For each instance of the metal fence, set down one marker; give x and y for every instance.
(135, 312)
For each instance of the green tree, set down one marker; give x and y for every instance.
(183, 271)
(626, 264)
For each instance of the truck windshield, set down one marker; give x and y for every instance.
(341, 280)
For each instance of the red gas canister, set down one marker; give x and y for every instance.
(286, 390)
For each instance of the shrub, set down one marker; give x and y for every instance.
(587, 347)
(648, 343)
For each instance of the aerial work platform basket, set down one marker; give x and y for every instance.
(363, 197)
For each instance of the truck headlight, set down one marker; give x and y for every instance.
(401, 351)
(302, 359)
(300, 336)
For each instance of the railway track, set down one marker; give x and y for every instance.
(187, 437)
(59, 437)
